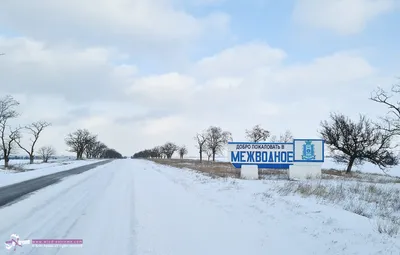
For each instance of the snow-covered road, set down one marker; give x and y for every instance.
(96, 206)
(138, 207)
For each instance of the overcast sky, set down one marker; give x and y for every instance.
(140, 73)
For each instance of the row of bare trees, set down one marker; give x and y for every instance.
(11, 137)
(86, 144)
(164, 151)
(211, 142)
(81, 141)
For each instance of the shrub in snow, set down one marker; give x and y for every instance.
(389, 227)
(357, 208)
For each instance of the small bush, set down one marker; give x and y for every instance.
(304, 189)
(17, 168)
(389, 227)
(263, 195)
(357, 208)
(286, 189)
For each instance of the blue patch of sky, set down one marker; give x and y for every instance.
(7, 32)
(272, 23)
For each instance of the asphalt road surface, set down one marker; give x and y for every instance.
(14, 192)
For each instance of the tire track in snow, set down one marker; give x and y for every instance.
(18, 191)
(108, 226)
(81, 207)
(38, 209)
(176, 219)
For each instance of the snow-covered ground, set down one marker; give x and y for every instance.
(30, 171)
(139, 207)
(330, 164)
(18, 165)
(37, 162)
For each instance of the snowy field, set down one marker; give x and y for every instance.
(330, 164)
(140, 207)
(25, 171)
(23, 164)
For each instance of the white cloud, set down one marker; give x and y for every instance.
(344, 17)
(164, 90)
(240, 60)
(329, 73)
(75, 87)
(36, 68)
(135, 25)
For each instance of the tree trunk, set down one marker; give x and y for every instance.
(350, 165)
(6, 160)
(213, 155)
(31, 159)
(201, 155)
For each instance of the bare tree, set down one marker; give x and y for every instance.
(209, 154)
(201, 141)
(216, 139)
(274, 139)
(13, 135)
(183, 151)
(112, 153)
(391, 121)
(46, 152)
(148, 153)
(34, 129)
(354, 142)
(257, 134)
(92, 147)
(286, 137)
(156, 152)
(169, 149)
(98, 149)
(7, 136)
(79, 140)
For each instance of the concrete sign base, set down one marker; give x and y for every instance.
(306, 170)
(249, 172)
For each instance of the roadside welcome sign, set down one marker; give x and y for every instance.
(276, 155)
(265, 155)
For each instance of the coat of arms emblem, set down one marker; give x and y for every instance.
(308, 151)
